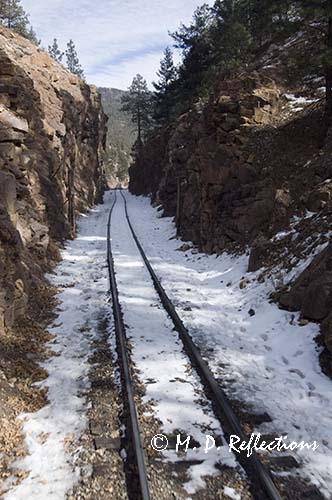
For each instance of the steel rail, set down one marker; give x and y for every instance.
(225, 413)
(121, 342)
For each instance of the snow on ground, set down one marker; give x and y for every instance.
(82, 279)
(158, 355)
(266, 359)
(298, 103)
(231, 493)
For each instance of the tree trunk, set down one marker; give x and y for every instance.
(178, 207)
(328, 79)
(139, 140)
(167, 107)
(139, 126)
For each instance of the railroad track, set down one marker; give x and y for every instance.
(137, 477)
(263, 486)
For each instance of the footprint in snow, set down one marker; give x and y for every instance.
(297, 371)
(285, 360)
(81, 308)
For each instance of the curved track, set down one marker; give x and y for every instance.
(133, 433)
(261, 479)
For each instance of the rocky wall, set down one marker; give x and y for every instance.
(203, 164)
(52, 139)
(239, 169)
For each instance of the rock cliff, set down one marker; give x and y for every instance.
(245, 170)
(205, 172)
(52, 138)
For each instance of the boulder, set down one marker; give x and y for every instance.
(317, 299)
(311, 293)
(320, 196)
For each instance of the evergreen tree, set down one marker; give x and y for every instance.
(13, 16)
(231, 37)
(163, 89)
(269, 19)
(55, 51)
(138, 103)
(31, 35)
(195, 42)
(73, 63)
(224, 37)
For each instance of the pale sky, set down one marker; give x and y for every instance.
(115, 39)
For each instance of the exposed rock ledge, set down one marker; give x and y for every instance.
(52, 137)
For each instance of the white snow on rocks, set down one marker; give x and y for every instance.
(82, 279)
(263, 357)
(266, 359)
(298, 103)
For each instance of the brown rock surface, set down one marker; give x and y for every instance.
(52, 136)
(311, 293)
(240, 168)
(224, 200)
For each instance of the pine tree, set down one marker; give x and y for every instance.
(195, 42)
(268, 19)
(14, 17)
(231, 38)
(138, 103)
(32, 36)
(55, 51)
(163, 94)
(73, 63)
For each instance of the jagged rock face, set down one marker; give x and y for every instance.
(234, 172)
(52, 137)
(202, 162)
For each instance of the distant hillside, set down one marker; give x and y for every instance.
(121, 135)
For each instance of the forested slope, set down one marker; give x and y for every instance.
(120, 137)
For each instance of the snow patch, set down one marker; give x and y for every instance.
(172, 386)
(259, 356)
(49, 432)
